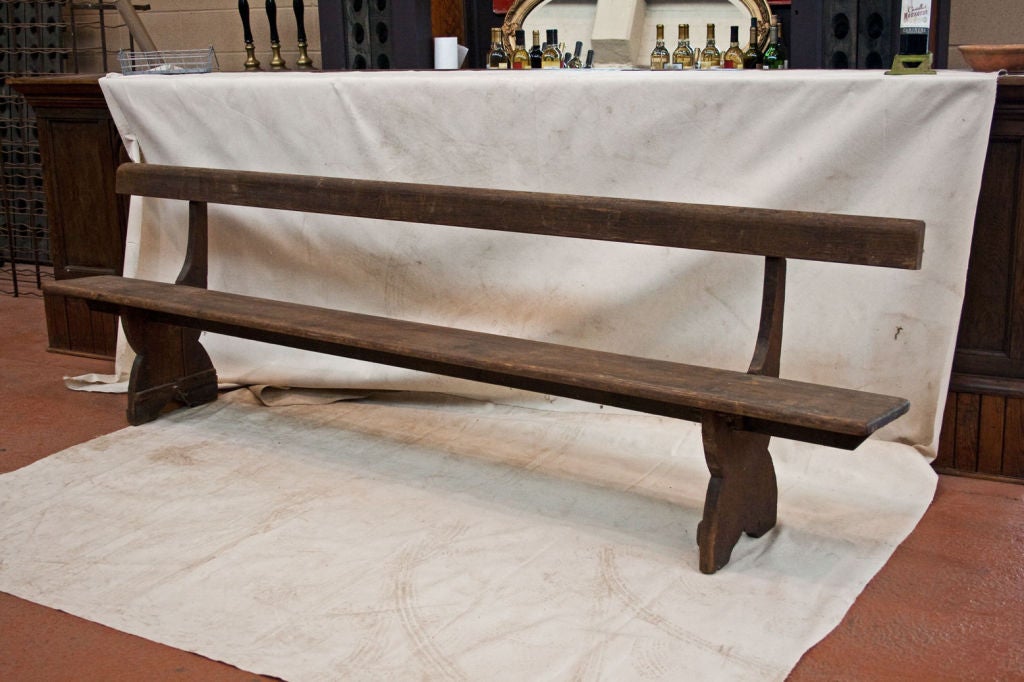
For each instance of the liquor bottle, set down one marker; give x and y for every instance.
(752, 57)
(659, 55)
(710, 56)
(733, 57)
(590, 60)
(497, 58)
(914, 22)
(683, 54)
(782, 43)
(772, 58)
(520, 57)
(535, 51)
(549, 58)
(576, 62)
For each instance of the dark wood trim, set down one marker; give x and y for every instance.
(950, 471)
(988, 385)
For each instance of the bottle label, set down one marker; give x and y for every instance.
(916, 16)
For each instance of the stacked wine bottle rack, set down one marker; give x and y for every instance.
(32, 37)
(376, 34)
(368, 28)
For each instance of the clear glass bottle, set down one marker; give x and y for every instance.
(576, 62)
(683, 53)
(535, 51)
(497, 58)
(710, 56)
(659, 55)
(549, 58)
(772, 58)
(520, 57)
(752, 57)
(733, 57)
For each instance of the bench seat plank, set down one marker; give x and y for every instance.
(820, 414)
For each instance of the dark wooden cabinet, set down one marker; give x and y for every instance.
(983, 428)
(80, 150)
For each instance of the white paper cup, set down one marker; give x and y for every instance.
(446, 53)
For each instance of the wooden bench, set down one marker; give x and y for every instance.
(739, 412)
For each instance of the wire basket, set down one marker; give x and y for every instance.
(168, 61)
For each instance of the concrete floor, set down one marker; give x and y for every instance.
(949, 605)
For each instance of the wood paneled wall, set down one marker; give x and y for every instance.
(982, 434)
(983, 425)
(447, 19)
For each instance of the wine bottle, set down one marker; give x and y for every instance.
(752, 57)
(590, 60)
(659, 55)
(710, 56)
(550, 58)
(772, 58)
(497, 58)
(733, 57)
(782, 43)
(683, 53)
(915, 19)
(535, 51)
(520, 57)
(576, 62)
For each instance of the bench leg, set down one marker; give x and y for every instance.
(170, 365)
(742, 494)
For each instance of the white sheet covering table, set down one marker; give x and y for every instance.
(847, 142)
(421, 538)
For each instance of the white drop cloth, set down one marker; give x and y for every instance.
(419, 537)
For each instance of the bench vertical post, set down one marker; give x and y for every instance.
(170, 363)
(743, 493)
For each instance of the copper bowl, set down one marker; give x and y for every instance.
(994, 57)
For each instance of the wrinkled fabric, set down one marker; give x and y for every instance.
(413, 536)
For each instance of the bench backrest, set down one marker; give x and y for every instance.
(885, 242)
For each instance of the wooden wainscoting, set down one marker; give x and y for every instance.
(983, 435)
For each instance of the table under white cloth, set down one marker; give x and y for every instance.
(855, 142)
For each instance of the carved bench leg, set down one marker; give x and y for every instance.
(170, 365)
(742, 494)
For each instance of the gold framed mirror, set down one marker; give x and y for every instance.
(522, 11)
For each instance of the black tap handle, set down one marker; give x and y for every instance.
(300, 24)
(272, 18)
(243, 11)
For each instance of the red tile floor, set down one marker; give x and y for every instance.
(949, 605)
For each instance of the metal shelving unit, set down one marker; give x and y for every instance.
(31, 43)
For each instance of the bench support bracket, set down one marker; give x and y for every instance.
(742, 494)
(170, 366)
